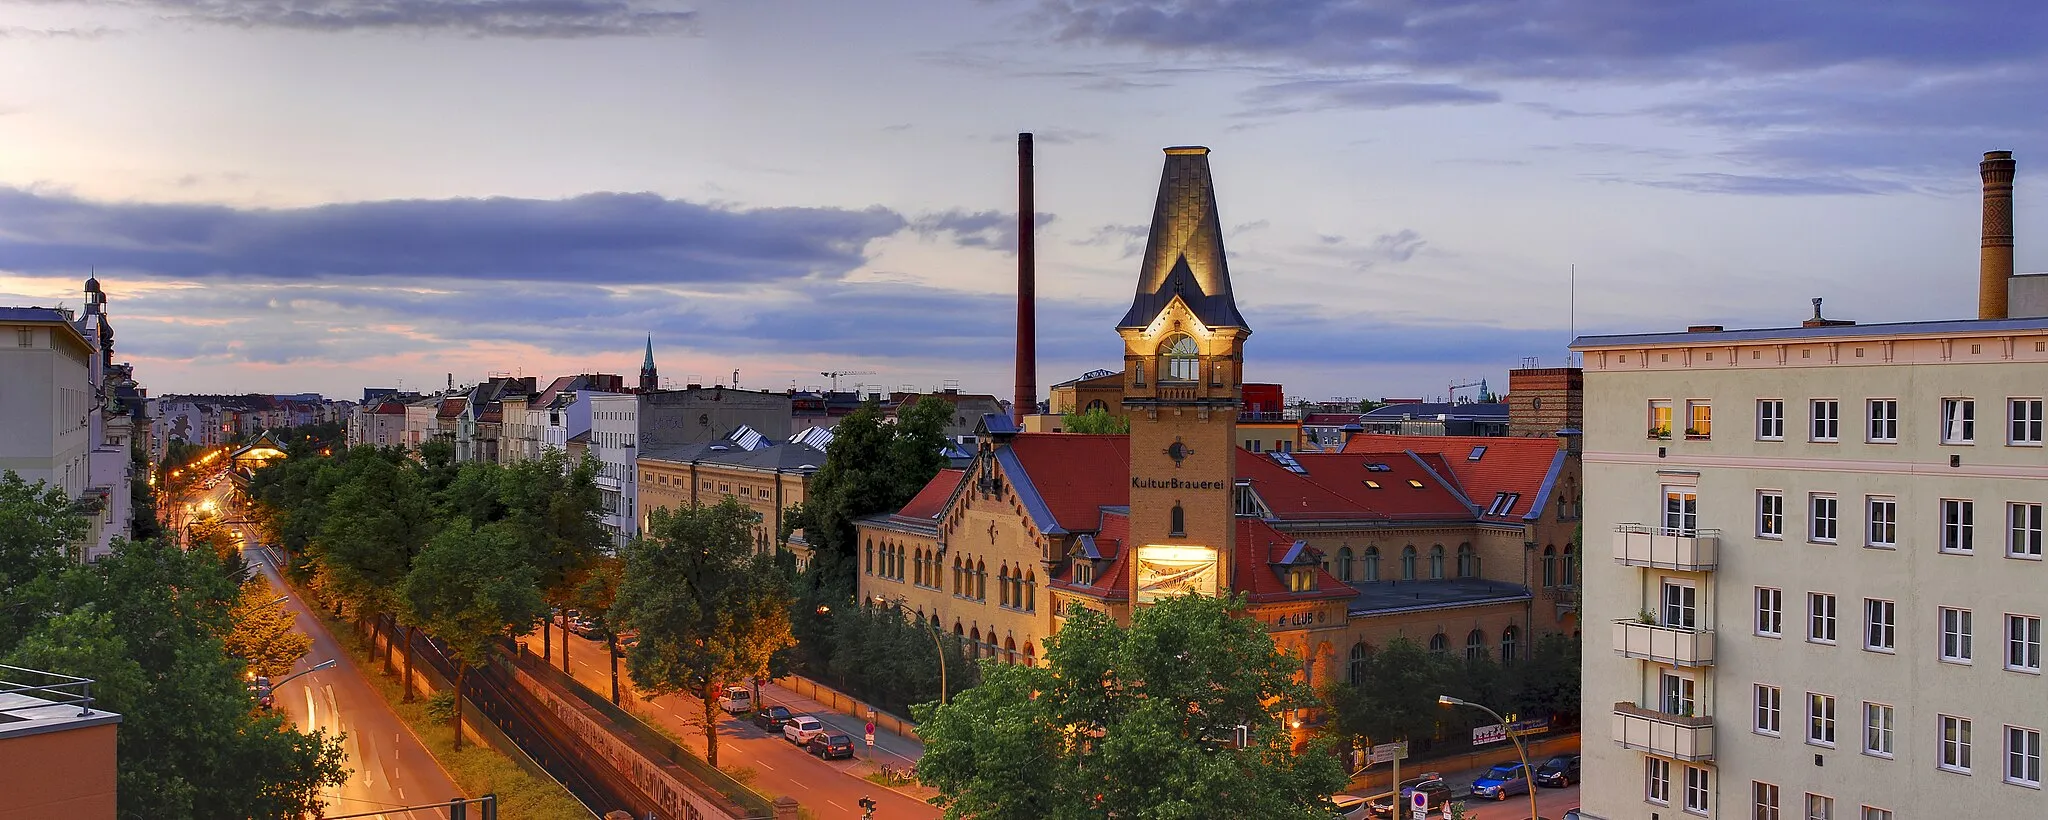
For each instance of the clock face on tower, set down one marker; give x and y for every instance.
(1178, 451)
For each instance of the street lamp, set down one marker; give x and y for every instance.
(1528, 775)
(900, 602)
(314, 668)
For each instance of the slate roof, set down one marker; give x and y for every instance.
(1833, 331)
(787, 458)
(1527, 467)
(1184, 252)
(1389, 597)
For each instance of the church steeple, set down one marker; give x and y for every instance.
(648, 382)
(1184, 254)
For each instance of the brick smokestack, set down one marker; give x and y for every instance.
(1994, 266)
(1026, 401)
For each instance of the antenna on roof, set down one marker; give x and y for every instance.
(1573, 313)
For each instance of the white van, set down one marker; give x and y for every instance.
(736, 700)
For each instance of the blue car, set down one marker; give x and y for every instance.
(1501, 782)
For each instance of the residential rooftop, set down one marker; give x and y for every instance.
(33, 702)
(1711, 337)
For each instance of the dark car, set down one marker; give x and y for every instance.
(1439, 793)
(772, 718)
(260, 688)
(830, 745)
(1559, 771)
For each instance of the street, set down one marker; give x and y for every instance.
(830, 790)
(1550, 803)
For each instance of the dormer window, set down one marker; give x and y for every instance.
(1301, 579)
(1183, 360)
(1084, 572)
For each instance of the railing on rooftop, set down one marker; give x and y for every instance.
(60, 690)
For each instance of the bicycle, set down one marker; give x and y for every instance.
(897, 777)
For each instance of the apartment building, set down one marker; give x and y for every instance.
(1825, 593)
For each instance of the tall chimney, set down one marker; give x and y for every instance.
(1994, 266)
(1026, 401)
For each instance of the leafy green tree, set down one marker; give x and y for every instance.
(471, 587)
(1094, 420)
(37, 531)
(554, 506)
(1398, 695)
(710, 609)
(377, 523)
(595, 597)
(1132, 722)
(916, 450)
(1547, 683)
(263, 633)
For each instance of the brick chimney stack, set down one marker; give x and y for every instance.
(1994, 267)
(1026, 399)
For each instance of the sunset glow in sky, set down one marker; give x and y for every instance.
(294, 195)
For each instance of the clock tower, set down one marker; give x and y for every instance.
(1183, 377)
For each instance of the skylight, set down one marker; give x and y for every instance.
(1371, 483)
(1477, 452)
(1414, 483)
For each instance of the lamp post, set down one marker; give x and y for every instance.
(934, 630)
(1528, 775)
(314, 668)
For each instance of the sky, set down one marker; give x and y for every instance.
(315, 195)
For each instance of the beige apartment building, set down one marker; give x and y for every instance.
(765, 476)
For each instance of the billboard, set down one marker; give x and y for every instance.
(1166, 571)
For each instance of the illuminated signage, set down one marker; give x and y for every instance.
(1166, 571)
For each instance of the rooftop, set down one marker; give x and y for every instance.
(1721, 337)
(33, 702)
(1387, 597)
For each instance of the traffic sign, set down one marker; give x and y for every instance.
(1418, 801)
(1387, 752)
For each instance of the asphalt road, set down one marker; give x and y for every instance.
(1550, 803)
(830, 790)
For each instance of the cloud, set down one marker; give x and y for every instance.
(1053, 136)
(534, 19)
(1366, 93)
(600, 237)
(1769, 185)
(27, 33)
(1129, 239)
(996, 230)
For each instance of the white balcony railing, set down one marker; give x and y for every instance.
(1672, 645)
(1680, 737)
(1689, 550)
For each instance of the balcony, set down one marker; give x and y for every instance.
(1678, 737)
(1637, 545)
(1672, 645)
(1566, 598)
(1177, 392)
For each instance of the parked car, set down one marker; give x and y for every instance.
(736, 700)
(629, 639)
(1430, 783)
(1349, 806)
(585, 626)
(829, 745)
(1501, 782)
(772, 717)
(801, 728)
(1559, 771)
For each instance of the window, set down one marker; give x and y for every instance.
(1955, 744)
(1440, 643)
(1507, 645)
(2023, 756)
(25, 337)
(1958, 525)
(1884, 420)
(1955, 635)
(1372, 563)
(1695, 789)
(1880, 627)
(1876, 814)
(1358, 664)
(1436, 563)
(1699, 419)
(1958, 421)
(1770, 419)
(1820, 807)
(1183, 360)
(1822, 526)
(2026, 421)
(1468, 561)
(1769, 708)
(1681, 511)
(2023, 536)
(1408, 563)
(1827, 420)
(1660, 418)
(1680, 605)
(1550, 566)
(1820, 617)
(1770, 612)
(1883, 513)
(1178, 521)
(1657, 781)
(1820, 719)
(1877, 729)
(1765, 798)
(1770, 514)
(2023, 643)
(1475, 645)
(1344, 564)
(1677, 694)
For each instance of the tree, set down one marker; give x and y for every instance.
(1132, 722)
(37, 529)
(595, 596)
(1397, 697)
(470, 587)
(710, 609)
(553, 506)
(263, 633)
(1095, 420)
(376, 524)
(1548, 682)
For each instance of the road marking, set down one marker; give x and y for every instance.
(764, 765)
(835, 804)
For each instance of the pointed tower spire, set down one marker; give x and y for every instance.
(1184, 254)
(648, 382)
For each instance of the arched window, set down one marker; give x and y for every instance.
(956, 575)
(870, 558)
(1003, 584)
(1010, 650)
(1180, 521)
(1138, 374)
(1359, 654)
(1216, 375)
(974, 642)
(981, 581)
(1030, 593)
(1436, 563)
(1507, 645)
(917, 566)
(1550, 566)
(1475, 645)
(1372, 563)
(1183, 360)
(1030, 654)
(1468, 562)
(1408, 563)
(1567, 570)
(1097, 404)
(1440, 644)
(1344, 564)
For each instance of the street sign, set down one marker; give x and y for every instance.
(1418, 803)
(1387, 752)
(871, 734)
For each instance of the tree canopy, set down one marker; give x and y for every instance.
(1094, 420)
(1134, 722)
(263, 633)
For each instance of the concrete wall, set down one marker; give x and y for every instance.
(2027, 295)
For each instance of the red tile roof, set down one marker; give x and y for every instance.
(1509, 464)
(1259, 548)
(1396, 497)
(1076, 474)
(450, 408)
(930, 502)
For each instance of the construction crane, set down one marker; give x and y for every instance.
(835, 374)
(1484, 394)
